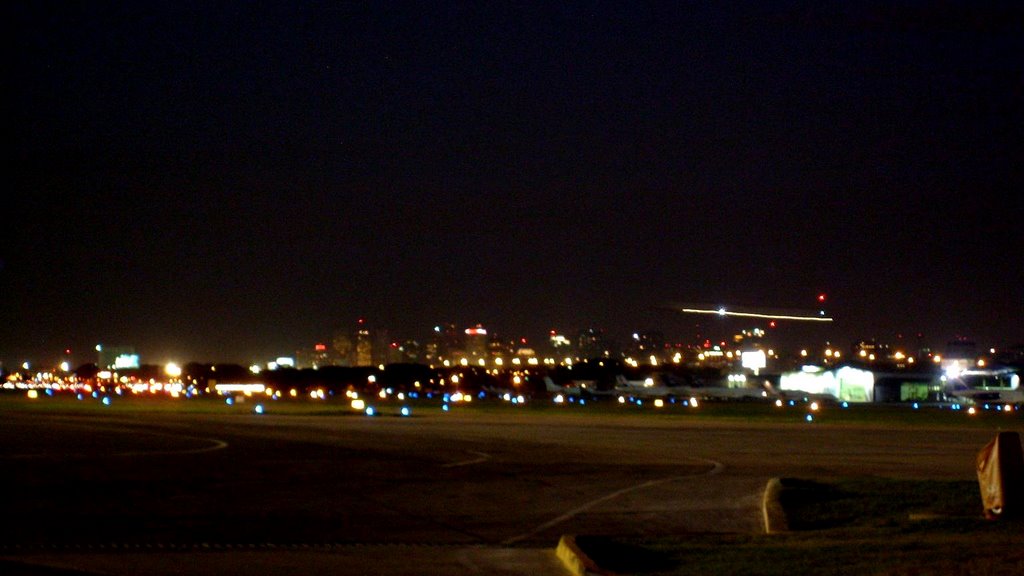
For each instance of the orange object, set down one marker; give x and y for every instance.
(1001, 476)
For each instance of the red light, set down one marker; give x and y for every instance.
(821, 297)
(771, 324)
(320, 347)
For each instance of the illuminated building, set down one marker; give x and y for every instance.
(592, 343)
(477, 342)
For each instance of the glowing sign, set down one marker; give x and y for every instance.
(754, 359)
(126, 361)
(476, 332)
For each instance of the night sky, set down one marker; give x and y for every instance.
(231, 181)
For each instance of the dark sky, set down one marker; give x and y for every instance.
(230, 181)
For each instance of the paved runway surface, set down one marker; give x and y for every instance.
(452, 493)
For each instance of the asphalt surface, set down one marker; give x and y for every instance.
(453, 493)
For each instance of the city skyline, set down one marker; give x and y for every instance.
(227, 181)
(729, 332)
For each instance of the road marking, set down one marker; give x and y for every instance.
(481, 457)
(716, 468)
(216, 444)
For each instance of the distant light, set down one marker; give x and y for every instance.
(444, 407)
(258, 409)
(33, 394)
(370, 411)
(810, 418)
(693, 402)
(814, 406)
(229, 400)
(358, 404)
(106, 400)
(971, 410)
(172, 370)
(406, 411)
(659, 403)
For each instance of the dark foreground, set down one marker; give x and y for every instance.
(461, 492)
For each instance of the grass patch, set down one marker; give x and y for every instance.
(847, 526)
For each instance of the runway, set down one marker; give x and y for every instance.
(440, 485)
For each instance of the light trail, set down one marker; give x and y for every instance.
(724, 312)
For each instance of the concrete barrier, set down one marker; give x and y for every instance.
(771, 508)
(575, 560)
(1000, 466)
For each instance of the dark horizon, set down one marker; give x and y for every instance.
(223, 182)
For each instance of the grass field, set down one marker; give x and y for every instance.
(754, 412)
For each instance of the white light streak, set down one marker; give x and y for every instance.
(724, 312)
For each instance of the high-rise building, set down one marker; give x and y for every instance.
(477, 343)
(592, 343)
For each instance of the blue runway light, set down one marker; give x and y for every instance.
(916, 406)
(79, 396)
(583, 402)
(49, 391)
(370, 411)
(106, 400)
(258, 409)
(444, 407)
(95, 394)
(846, 404)
(406, 411)
(792, 403)
(229, 401)
(810, 418)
